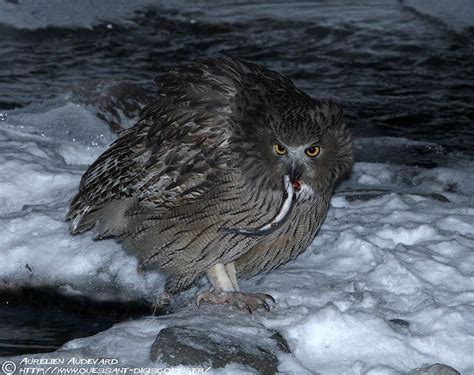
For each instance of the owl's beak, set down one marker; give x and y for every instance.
(296, 171)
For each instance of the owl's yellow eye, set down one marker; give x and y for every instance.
(313, 151)
(279, 149)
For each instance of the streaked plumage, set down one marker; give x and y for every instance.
(201, 159)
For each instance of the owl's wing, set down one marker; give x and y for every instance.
(176, 151)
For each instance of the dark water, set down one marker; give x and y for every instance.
(38, 321)
(25, 330)
(395, 72)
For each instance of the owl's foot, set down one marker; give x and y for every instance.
(244, 301)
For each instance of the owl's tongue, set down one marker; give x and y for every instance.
(281, 216)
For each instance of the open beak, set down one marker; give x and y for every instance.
(289, 196)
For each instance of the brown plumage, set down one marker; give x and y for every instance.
(200, 170)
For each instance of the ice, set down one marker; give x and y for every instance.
(387, 285)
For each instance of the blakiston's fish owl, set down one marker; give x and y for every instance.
(228, 173)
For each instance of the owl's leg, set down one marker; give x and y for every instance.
(226, 290)
(231, 272)
(220, 279)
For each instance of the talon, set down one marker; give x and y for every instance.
(269, 297)
(243, 306)
(265, 306)
(203, 297)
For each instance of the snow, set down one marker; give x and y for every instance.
(385, 265)
(43, 156)
(387, 285)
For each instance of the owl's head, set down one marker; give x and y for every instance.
(300, 137)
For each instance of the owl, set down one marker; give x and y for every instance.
(228, 174)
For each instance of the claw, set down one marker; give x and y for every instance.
(271, 298)
(206, 296)
(243, 306)
(268, 296)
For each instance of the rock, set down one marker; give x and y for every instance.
(400, 322)
(191, 345)
(362, 194)
(399, 325)
(435, 369)
(281, 342)
(367, 195)
(439, 197)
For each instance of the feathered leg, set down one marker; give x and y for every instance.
(219, 278)
(231, 272)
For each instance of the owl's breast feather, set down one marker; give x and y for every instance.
(289, 197)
